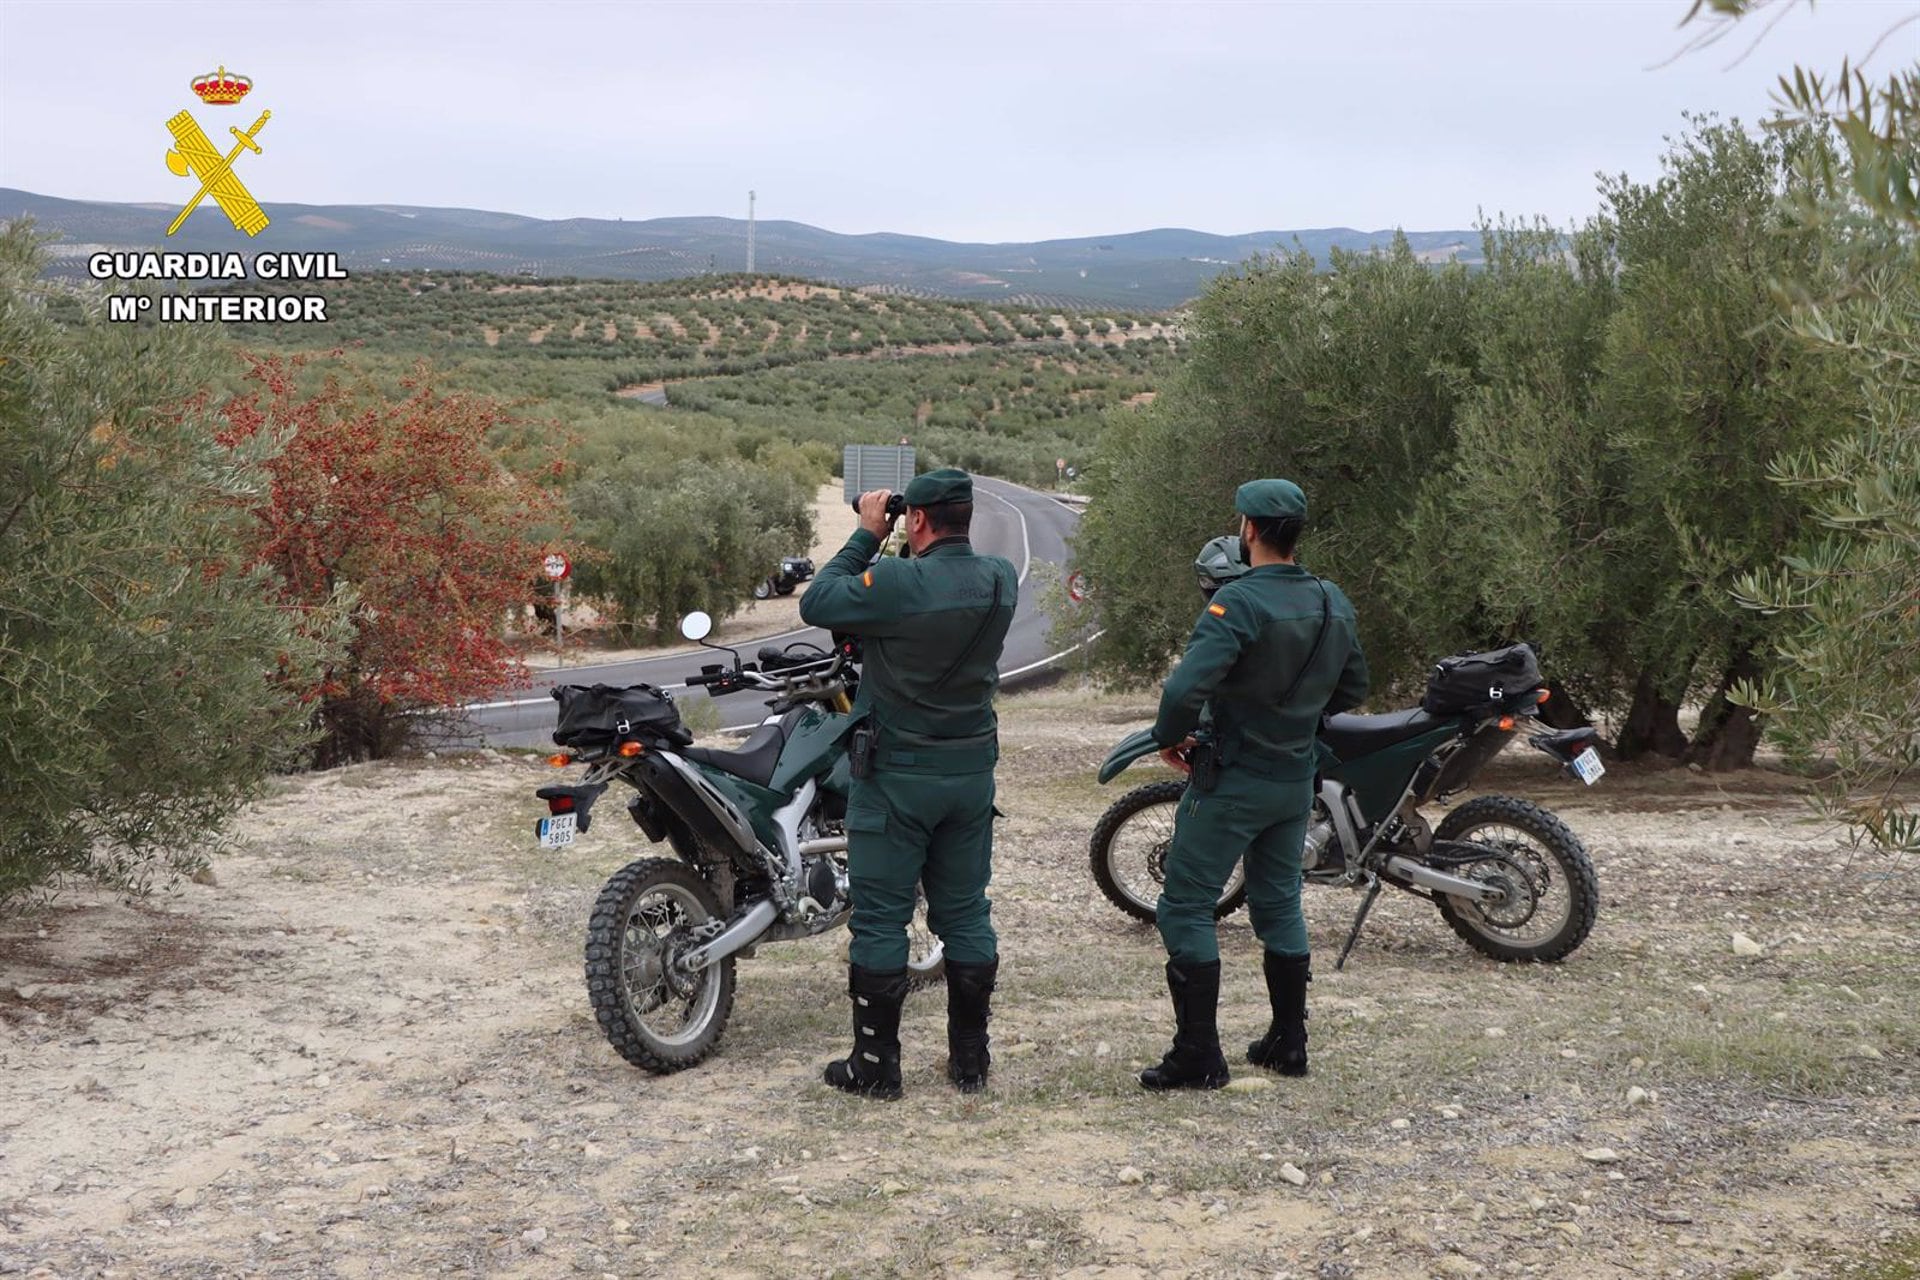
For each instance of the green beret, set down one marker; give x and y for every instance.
(1268, 499)
(948, 484)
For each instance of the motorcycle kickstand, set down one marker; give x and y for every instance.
(1366, 905)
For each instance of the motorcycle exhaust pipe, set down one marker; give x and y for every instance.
(737, 936)
(1439, 881)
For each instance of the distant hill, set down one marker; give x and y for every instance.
(1140, 269)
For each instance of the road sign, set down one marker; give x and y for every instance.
(556, 566)
(876, 466)
(1077, 587)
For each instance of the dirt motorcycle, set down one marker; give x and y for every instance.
(1509, 877)
(758, 836)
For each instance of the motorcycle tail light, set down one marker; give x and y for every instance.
(559, 804)
(629, 750)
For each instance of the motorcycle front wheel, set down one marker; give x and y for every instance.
(1129, 852)
(1551, 892)
(659, 1018)
(926, 954)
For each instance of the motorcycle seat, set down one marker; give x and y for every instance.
(755, 760)
(1353, 736)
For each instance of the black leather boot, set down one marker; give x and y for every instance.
(969, 996)
(1284, 1047)
(1195, 1061)
(873, 1068)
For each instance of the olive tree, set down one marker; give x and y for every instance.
(1344, 381)
(1572, 446)
(149, 671)
(1514, 537)
(1700, 388)
(1848, 676)
(693, 536)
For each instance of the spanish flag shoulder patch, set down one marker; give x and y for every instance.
(1217, 610)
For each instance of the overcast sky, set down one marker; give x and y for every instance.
(970, 121)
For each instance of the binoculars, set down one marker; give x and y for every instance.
(896, 504)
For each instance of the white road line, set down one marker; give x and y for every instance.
(528, 702)
(500, 706)
(1026, 546)
(1035, 666)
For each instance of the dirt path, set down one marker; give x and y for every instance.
(366, 1052)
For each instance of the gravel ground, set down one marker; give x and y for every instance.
(366, 1051)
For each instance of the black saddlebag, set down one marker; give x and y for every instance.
(1481, 683)
(595, 717)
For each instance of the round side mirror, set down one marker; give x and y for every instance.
(696, 626)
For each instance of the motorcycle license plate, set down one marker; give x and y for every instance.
(555, 832)
(1587, 766)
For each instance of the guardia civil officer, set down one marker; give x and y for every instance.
(923, 751)
(1273, 650)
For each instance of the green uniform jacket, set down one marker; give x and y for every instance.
(1248, 646)
(918, 617)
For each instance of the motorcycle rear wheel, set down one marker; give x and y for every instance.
(1129, 852)
(1561, 880)
(659, 1021)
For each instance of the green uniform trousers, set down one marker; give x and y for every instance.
(1244, 816)
(906, 829)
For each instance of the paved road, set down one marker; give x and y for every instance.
(1026, 527)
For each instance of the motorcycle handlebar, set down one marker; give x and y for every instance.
(824, 666)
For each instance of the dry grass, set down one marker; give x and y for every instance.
(389, 930)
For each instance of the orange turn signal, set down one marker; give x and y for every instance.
(630, 749)
(1543, 695)
(560, 760)
(1506, 723)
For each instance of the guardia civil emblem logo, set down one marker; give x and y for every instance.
(193, 154)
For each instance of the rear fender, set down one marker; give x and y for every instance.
(576, 800)
(1566, 744)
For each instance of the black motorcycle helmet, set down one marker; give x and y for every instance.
(1219, 562)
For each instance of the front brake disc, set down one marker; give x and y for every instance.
(1157, 862)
